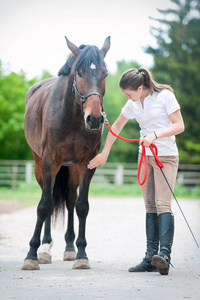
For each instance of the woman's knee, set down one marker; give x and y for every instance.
(151, 209)
(162, 209)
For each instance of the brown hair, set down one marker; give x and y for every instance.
(133, 78)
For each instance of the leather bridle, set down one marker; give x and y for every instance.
(84, 97)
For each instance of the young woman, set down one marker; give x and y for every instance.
(155, 108)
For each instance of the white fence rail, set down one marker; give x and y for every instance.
(12, 172)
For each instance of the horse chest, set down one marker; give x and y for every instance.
(78, 149)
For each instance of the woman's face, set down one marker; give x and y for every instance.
(133, 95)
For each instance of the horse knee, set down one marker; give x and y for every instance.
(82, 209)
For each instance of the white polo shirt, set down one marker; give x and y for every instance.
(153, 116)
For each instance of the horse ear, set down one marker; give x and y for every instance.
(76, 51)
(106, 46)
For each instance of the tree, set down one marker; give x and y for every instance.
(13, 88)
(114, 100)
(176, 62)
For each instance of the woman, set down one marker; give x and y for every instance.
(157, 111)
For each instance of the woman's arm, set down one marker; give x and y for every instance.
(100, 159)
(175, 128)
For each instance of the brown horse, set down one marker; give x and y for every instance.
(63, 127)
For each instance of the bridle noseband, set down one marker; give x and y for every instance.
(84, 97)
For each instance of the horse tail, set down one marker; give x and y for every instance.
(60, 192)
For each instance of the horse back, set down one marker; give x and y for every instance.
(39, 86)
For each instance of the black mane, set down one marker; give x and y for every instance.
(66, 68)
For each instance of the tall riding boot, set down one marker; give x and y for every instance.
(162, 260)
(152, 233)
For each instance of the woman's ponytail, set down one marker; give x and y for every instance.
(133, 78)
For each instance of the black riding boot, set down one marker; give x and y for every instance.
(152, 233)
(162, 260)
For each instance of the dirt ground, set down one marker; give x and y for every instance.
(116, 241)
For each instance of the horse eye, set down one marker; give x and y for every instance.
(105, 76)
(79, 74)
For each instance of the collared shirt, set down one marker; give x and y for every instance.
(153, 116)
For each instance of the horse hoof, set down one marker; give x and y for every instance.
(69, 255)
(30, 264)
(81, 264)
(45, 254)
(44, 258)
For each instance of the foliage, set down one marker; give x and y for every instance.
(176, 61)
(13, 88)
(114, 100)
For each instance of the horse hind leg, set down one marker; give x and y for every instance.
(73, 180)
(44, 255)
(70, 253)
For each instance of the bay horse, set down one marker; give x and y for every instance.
(63, 127)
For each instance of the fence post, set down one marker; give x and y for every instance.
(119, 176)
(14, 176)
(28, 172)
(180, 178)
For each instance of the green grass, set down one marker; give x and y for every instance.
(126, 190)
(31, 193)
(133, 190)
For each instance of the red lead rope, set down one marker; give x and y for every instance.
(154, 151)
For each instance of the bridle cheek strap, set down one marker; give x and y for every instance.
(84, 97)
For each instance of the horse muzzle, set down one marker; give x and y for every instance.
(94, 123)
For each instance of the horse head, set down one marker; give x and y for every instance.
(89, 73)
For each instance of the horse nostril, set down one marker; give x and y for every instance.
(89, 120)
(94, 123)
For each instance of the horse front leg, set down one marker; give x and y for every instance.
(43, 211)
(82, 209)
